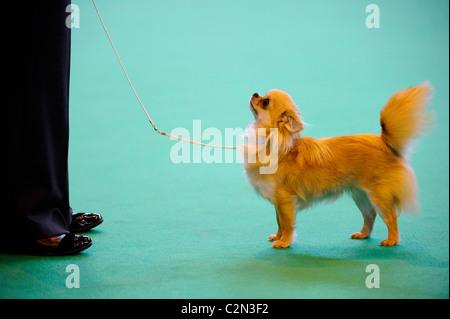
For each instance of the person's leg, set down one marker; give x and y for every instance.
(45, 133)
(37, 124)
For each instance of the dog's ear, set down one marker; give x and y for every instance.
(290, 121)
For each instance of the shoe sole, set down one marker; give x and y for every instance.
(70, 252)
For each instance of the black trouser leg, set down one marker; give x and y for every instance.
(37, 122)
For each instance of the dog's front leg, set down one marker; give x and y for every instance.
(276, 236)
(285, 207)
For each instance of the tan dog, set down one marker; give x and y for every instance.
(372, 168)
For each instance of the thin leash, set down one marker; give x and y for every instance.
(139, 100)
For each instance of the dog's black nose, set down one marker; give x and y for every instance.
(256, 95)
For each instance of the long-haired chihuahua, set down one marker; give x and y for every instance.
(373, 169)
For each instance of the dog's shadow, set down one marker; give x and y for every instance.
(366, 250)
(343, 265)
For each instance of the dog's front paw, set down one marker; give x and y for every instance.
(274, 237)
(281, 244)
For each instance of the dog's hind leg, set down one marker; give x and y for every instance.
(368, 212)
(390, 219)
(384, 205)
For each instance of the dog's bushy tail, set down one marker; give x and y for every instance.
(404, 117)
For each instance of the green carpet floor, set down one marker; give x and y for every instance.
(197, 230)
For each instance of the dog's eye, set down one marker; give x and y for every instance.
(265, 103)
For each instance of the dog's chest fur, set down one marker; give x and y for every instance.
(264, 184)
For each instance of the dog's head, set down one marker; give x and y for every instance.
(276, 109)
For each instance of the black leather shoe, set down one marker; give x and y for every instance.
(82, 222)
(69, 244)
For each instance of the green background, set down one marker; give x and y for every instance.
(199, 230)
